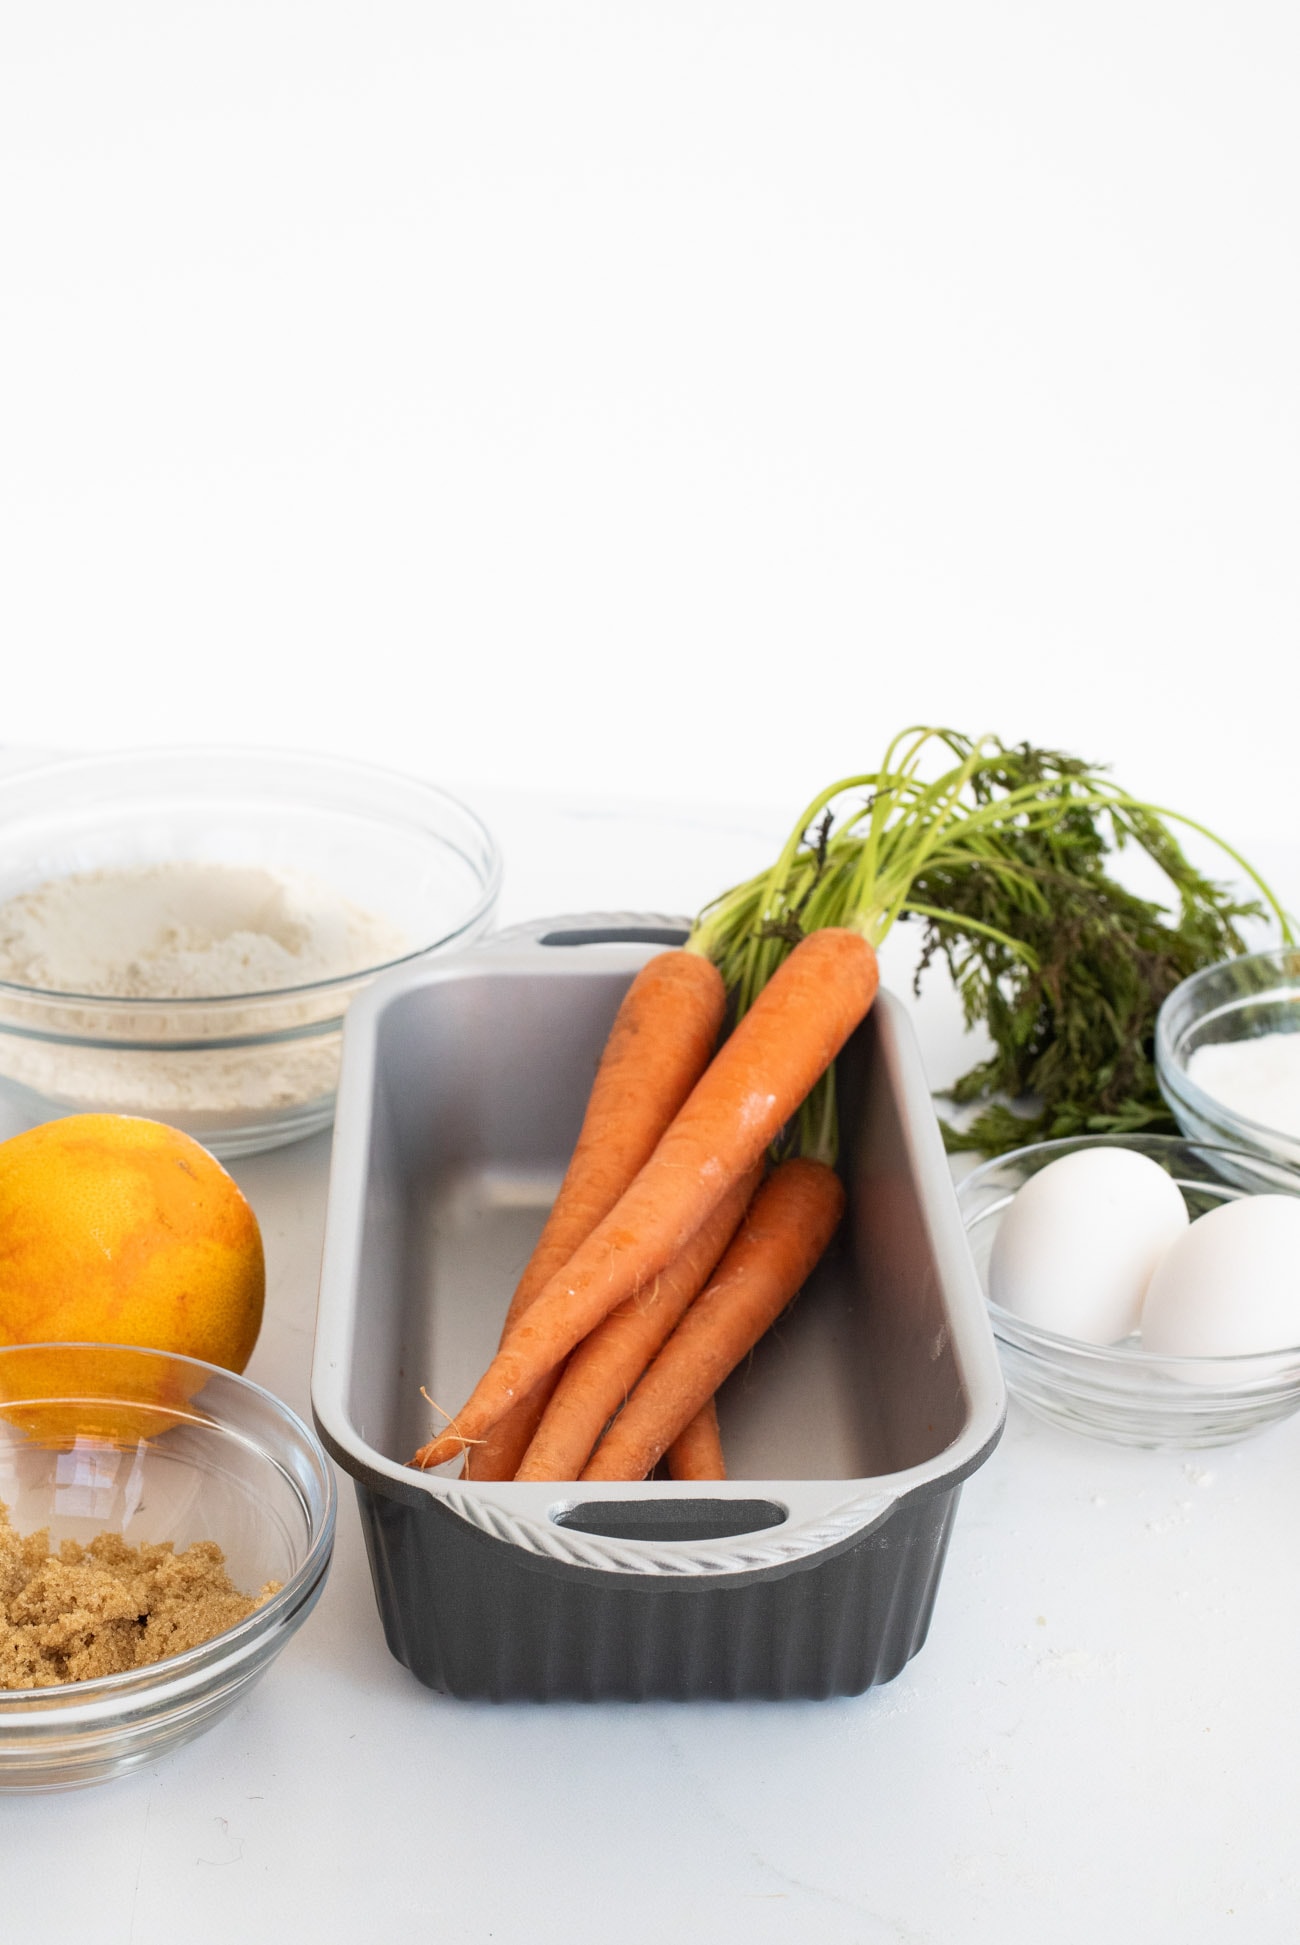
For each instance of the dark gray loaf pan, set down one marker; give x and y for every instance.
(812, 1570)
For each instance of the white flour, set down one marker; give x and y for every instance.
(182, 931)
(186, 931)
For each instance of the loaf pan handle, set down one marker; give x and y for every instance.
(617, 935)
(672, 1519)
(597, 928)
(698, 1531)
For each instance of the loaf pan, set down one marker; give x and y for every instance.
(812, 1570)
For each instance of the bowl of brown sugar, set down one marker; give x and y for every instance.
(165, 1527)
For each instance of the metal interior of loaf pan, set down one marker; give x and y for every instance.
(812, 1570)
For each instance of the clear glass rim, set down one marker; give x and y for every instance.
(232, 1644)
(1170, 1067)
(1021, 1336)
(120, 761)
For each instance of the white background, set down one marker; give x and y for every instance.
(663, 399)
(656, 407)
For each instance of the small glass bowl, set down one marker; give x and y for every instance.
(1237, 1000)
(245, 1071)
(112, 1439)
(1121, 1392)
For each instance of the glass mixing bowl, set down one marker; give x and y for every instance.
(240, 1071)
(1238, 1000)
(111, 1439)
(1120, 1391)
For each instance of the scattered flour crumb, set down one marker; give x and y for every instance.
(1180, 1516)
(895, 1699)
(1078, 1664)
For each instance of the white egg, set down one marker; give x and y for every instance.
(1075, 1251)
(1231, 1285)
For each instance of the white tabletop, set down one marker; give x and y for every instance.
(1095, 1740)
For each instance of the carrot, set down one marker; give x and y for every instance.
(658, 1046)
(782, 1046)
(792, 1219)
(696, 1452)
(500, 1451)
(605, 1366)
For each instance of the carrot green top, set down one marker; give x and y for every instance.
(999, 852)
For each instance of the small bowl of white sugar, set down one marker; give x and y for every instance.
(1228, 1054)
(181, 931)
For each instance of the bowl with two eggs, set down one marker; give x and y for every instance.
(1144, 1289)
(181, 931)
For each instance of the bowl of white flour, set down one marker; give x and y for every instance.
(181, 931)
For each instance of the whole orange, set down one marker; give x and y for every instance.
(117, 1230)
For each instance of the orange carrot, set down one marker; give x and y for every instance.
(789, 1224)
(658, 1046)
(606, 1365)
(696, 1452)
(781, 1047)
(500, 1451)
(754, 1083)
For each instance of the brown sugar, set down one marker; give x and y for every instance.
(107, 1607)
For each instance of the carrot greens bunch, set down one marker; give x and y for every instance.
(1002, 854)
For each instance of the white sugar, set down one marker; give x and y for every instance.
(1258, 1079)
